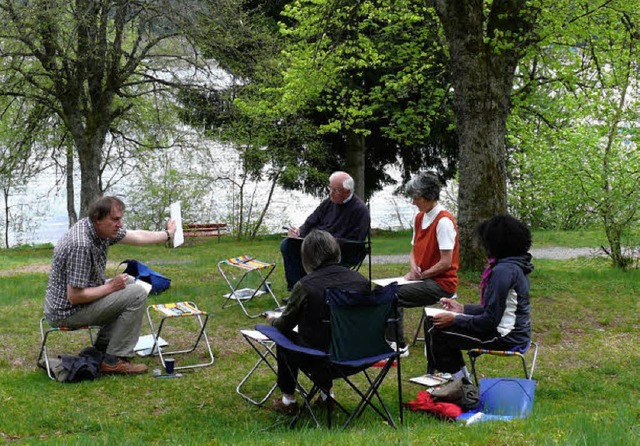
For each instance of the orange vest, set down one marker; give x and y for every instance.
(426, 251)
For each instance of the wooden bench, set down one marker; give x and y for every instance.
(205, 230)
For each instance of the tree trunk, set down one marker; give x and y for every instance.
(90, 157)
(5, 193)
(482, 75)
(355, 161)
(71, 205)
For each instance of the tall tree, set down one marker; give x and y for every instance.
(20, 157)
(485, 40)
(348, 85)
(575, 123)
(371, 76)
(88, 62)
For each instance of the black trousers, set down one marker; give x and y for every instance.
(290, 363)
(419, 294)
(444, 347)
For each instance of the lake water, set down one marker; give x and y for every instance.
(48, 216)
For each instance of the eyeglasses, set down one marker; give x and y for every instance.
(335, 190)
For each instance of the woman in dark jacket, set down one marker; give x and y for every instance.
(502, 319)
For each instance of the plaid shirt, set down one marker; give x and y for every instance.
(79, 260)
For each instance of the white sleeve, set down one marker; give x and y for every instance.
(446, 234)
(413, 232)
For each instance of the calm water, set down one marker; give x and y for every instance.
(49, 220)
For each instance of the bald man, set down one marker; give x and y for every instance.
(342, 214)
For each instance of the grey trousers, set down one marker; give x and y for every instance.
(420, 294)
(120, 316)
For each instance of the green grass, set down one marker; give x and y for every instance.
(584, 316)
(584, 238)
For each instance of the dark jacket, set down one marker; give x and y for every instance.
(347, 221)
(505, 312)
(308, 308)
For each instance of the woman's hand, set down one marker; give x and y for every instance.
(414, 274)
(451, 305)
(443, 320)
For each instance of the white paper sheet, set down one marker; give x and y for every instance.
(401, 281)
(432, 311)
(176, 216)
(144, 344)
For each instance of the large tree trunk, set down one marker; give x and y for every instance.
(482, 77)
(89, 146)
(355, 161)
(71, 205)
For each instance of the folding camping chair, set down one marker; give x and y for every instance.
(263, 346)
(353, 253)
(357, 343)
(518, 352)
(179, 310)
(248, 267)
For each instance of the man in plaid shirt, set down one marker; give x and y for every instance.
(79, 293)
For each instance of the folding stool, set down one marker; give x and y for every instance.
(263, 346)
(474, 353)
(44, 335)
(248, 266)
(178, 310)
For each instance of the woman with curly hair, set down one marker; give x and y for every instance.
(501, 320)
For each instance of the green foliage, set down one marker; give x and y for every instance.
(88, 65)
(574, 134)
(374, 68)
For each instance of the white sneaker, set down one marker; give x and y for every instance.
(404, 351)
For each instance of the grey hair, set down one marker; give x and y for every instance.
(425, 185)
(347, 183)
(319, 248)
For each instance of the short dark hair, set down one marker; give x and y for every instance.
(504, 236)
(102, 207)
(425, 185)
(319, 248)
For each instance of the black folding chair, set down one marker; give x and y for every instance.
(357, 343)
(354, 252)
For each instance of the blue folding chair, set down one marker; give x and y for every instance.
(357, 343)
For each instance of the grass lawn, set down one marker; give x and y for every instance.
(584, 315)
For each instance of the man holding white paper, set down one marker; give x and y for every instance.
(79, 294)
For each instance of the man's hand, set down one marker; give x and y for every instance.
(293, 232)
(414, 274)
(171, 227)
(119, 282)
(79, 296)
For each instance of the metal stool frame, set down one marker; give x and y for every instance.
(249, 265)
(263, 346)
(475, 353)
(44, 335)
(179, 309)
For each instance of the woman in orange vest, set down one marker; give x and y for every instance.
(434, 257)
